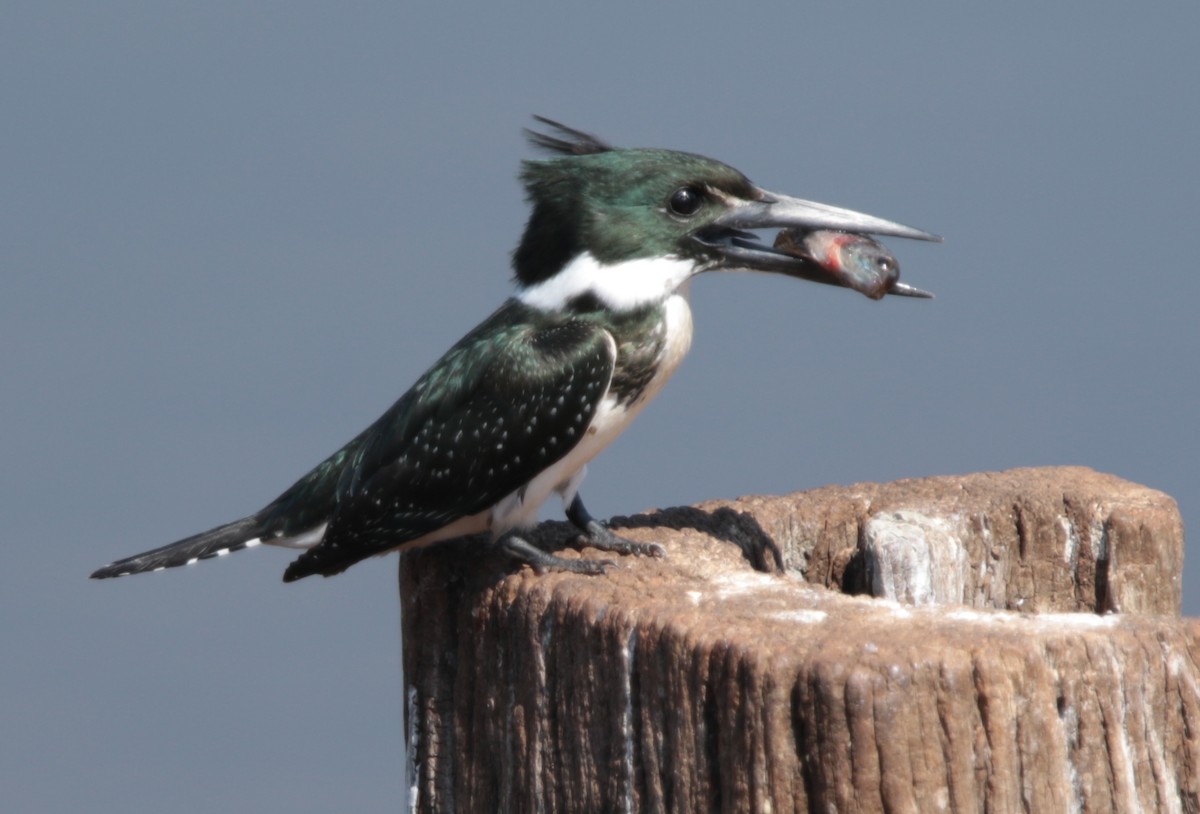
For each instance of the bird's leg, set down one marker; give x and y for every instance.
(541, 561)
(598, 535)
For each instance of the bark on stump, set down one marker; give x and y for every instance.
(994, 676)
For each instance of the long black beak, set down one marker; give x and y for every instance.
(737, 249)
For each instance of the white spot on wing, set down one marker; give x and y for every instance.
(610, 420)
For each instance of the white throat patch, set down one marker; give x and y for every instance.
(621, 286)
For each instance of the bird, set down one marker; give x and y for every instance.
(513, 413)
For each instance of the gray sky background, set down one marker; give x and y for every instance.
(232, 234)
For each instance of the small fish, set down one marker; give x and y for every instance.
(850, 260)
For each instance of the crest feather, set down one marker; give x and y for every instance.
(564, 140)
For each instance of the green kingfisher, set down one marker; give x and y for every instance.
(515, 411)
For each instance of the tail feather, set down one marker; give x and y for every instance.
(320, 561)
(216, 542)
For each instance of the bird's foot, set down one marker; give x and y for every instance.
(541, 561)
(598, 535)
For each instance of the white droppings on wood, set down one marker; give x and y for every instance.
(915, 558)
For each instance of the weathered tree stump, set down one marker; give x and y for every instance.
(993, 675)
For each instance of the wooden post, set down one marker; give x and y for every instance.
(1000, 642)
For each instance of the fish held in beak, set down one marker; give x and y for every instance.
(850, 260)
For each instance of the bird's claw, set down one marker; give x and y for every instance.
(601, 537)
(541, 561)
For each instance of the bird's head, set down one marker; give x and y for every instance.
(629, 226)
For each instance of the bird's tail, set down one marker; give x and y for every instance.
(218, 542)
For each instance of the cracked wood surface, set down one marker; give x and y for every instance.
(712, 681)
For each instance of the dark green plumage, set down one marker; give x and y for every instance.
(509, 399)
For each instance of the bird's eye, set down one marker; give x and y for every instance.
(685, 201)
